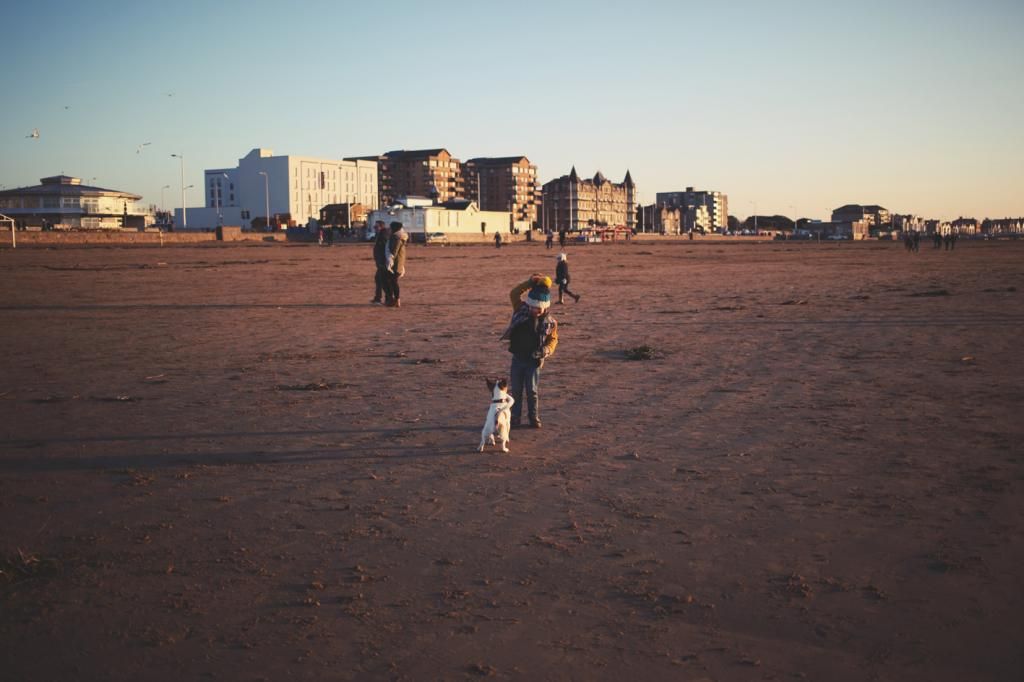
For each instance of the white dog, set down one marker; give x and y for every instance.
(498, 415)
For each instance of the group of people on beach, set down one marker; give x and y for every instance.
(912, 241)
(532, 332)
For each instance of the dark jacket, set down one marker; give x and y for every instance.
(380, 245)
(562, 272)
(527, 334)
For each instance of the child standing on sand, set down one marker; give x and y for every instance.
(562, 277)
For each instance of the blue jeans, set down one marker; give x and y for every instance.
(524, 374)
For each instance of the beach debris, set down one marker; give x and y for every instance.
(482, 669)
(116, 399)
(22, 565)
(795, 301)
(53, 399)
(967, 358)
(874, 592)
(930, 292)
(643, 352)
(313, 386)
(429, 361)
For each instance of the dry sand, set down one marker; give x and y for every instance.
(818, 476)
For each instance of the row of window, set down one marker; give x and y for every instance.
(86, 204)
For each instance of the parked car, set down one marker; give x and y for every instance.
(437, 238)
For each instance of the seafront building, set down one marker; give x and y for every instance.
(423, 172)
(421, 215)
(282, 190)
(714, 204)
(571, 204)
(507, 183)
(875, 215)
(62, 202)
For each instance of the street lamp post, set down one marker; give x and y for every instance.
(266, 195)
(219, 202)
(162, 210)
(184, 215)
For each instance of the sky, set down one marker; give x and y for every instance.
(790, 107)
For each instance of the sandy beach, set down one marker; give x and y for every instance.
(221, 462)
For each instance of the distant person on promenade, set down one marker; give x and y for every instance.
(395, 264)
(497, 240)
(562, 278)
(532, 334)
(380, 246)
(561, 238)
(550, 240)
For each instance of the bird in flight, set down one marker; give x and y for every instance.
(34, 134)
(144, 144)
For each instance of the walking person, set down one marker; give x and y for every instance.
(497, 240)
(550, 240)
(532, 334)
(380, 245)
(395, 264)
(562, 278)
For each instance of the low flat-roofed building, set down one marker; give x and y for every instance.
(63, 202)
(457, 216)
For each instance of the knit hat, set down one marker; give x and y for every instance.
(540, 294)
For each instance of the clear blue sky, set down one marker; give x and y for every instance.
(789, 105)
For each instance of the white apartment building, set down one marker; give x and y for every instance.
(293, 188)
(716, 203)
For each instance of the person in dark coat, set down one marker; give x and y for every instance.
(380, 245)
(562, 278)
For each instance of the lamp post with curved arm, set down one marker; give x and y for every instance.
(218, 189)
(184, 216)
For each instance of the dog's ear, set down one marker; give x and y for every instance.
(503, 383)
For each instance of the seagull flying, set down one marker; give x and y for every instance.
(144, 144)
(34, 134)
